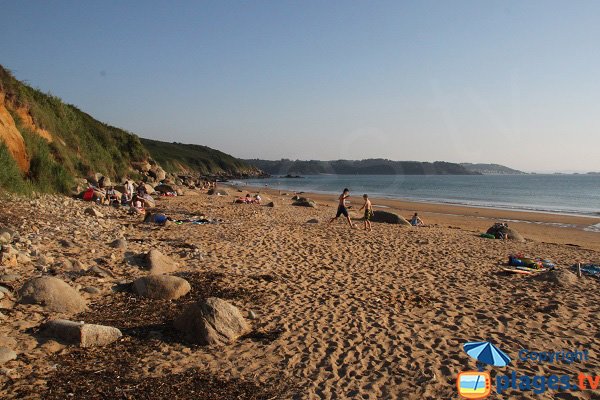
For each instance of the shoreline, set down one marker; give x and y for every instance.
(564, 229)
(584, 212)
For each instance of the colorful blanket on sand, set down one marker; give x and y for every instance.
(520, 260)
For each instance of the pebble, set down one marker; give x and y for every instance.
(9, 277)
(91, 290)
(7, 355)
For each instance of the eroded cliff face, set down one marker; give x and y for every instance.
(11, 136)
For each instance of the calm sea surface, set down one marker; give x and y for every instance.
(573, 194)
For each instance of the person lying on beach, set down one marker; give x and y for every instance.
(157, 218)
(342, 208)
(416, 221)
(368, 212)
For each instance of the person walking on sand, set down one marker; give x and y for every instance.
(342, 208)
(368, 212)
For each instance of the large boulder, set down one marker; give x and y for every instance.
(164, 188)
(159, 264)
(217, 192)
(53, 294)
(6, 235)
(81, 334)
(162, 287)
(157, 173)
(213, 321)
(304, 202)
(500, 230)
(389, 218)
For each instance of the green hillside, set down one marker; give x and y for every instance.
(79, 146)
(376, 166)
(45, 144)
(178, 157)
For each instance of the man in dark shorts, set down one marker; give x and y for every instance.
(342, 208)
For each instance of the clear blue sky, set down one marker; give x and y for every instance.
(513, 82)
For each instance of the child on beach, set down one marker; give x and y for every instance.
(342, 208)
(416, 221)
(368, 212)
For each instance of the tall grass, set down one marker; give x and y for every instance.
(11, 178)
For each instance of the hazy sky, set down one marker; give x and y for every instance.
(512, 82)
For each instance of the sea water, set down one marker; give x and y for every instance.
(568, 194)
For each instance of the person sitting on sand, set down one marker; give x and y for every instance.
(111, 196)
(342, 209)
(368, 212)
(141, 190)
(257, 199)
(416, 221)
(137, 205)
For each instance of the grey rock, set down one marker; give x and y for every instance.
(99, 272)
(93, 212)
(213, 321)
(5, 238)
(159, 263)
(219, 192)
(53, 294)
(389, 218)
(163, 287)
(312, 221)
(90, 290)
(120, 244)
(9, 277)
(304, 202)
(81, 334)
(7, 355)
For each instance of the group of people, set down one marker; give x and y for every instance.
(132, 196)
(368, 213)
(249, 199)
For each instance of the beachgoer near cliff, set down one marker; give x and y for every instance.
(368, 207)
(416, 221)
(141, 190)
(342, 209)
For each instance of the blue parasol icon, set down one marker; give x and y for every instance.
(486, 353)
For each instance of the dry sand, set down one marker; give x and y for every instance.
(340, 313)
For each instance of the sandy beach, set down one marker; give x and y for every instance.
(339, 313)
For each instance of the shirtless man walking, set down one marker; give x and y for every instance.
(342, 208)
